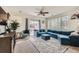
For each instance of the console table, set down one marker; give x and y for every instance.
(7, 43)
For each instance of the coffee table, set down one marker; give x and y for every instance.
(45, 36)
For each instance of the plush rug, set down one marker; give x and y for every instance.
(37, 45)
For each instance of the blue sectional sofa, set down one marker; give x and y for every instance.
(62, 36)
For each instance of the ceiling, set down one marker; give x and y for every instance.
(30, 10)
(2, 11)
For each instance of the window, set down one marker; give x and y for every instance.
(60, 23)
(2, 29)
(64, 22)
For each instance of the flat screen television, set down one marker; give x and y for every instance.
(2, 29)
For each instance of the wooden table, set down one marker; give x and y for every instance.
(7, 42)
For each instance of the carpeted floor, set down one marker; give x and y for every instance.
(37, 45)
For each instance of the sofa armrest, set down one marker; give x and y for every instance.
(74, 39)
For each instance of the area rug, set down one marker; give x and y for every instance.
(33, 44)
(49, 46)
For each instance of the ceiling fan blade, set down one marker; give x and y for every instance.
(46, 12)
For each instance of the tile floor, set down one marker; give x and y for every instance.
(33, 44)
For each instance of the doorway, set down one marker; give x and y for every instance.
(33, 25)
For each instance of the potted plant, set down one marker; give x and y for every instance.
(14, 25)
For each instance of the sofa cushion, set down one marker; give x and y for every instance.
(62, 36)
(61, 32)
(42, 30)
(54, 31)
(54, 35)
(66, 32)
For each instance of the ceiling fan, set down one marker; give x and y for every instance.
(42, 12)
